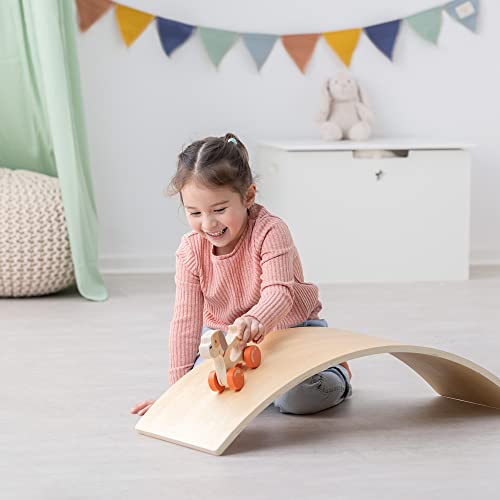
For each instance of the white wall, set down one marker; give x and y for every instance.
(141, 107)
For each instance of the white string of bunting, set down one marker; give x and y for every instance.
(300, 47)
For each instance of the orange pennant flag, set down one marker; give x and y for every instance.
(131, 22)
(89, 11)
(300, 48)
(343, 43)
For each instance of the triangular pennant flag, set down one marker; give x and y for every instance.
(300, 48)
(427, 24)
(89, 11)
(131, 22)
(383, 36)
(217, 42)
(465, 12)
(343, 43)
(259, 46)
(172, 33)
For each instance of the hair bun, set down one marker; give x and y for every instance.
(229, 136)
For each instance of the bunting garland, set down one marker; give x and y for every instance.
(464, 12)
(90, 11)
(172, 33)
(343, 43)
(383, 36)
(132, 22)
(217, 42)
(427, 24)
(300, 47)
(259, 46)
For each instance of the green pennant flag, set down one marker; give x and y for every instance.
(217, 42)
(427, 24)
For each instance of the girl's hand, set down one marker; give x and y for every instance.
(249, 329)
(143, 407)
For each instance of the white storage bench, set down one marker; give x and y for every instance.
(374, 211)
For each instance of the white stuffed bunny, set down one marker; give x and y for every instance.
(344, 110)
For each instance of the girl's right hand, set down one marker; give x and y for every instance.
(143, 407)
(248, 328)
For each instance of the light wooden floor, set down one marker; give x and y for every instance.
(71, 369)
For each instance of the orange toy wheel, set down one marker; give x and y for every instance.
(235, 378)
(252, 356)
(213, 382)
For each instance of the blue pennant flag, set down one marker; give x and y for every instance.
(260, 46)
(465, 12)
(172, 33)
(384, 36)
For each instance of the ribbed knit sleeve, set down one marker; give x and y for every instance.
(277, 287)
(187, 320)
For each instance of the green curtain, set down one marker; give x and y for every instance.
(41, 118)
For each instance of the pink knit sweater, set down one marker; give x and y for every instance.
(262, 277)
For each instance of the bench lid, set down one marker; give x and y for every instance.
(394, 143)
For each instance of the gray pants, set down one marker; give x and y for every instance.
(319, 392)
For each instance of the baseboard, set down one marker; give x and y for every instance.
(137, 264)
(485, 258)
(166, 264)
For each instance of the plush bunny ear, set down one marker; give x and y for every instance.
(363, 96)
(364, 99)
(325, 102)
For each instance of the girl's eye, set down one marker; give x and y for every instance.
(197, 214)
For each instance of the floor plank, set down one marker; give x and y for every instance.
(70, 370)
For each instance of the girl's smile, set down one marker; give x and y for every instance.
(218, 235)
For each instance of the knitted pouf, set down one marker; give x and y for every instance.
(35, 256)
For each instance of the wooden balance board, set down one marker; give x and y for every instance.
(192, 415)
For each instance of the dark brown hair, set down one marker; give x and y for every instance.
(214, 162)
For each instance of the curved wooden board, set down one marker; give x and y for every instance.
(190, 414)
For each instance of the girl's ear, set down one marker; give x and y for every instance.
(250, 196)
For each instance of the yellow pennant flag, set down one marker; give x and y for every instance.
(343, 43)
(131, 22)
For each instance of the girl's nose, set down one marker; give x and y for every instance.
(209, 224)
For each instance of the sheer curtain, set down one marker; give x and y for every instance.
(41, 118)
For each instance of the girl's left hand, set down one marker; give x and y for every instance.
(249, 329)
(143, 407)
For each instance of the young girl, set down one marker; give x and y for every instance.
(239, 266)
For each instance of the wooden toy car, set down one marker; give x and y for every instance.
(228, 359)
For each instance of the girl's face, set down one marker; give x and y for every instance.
(218, 214)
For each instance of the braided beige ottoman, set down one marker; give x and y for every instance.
(35, 256)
